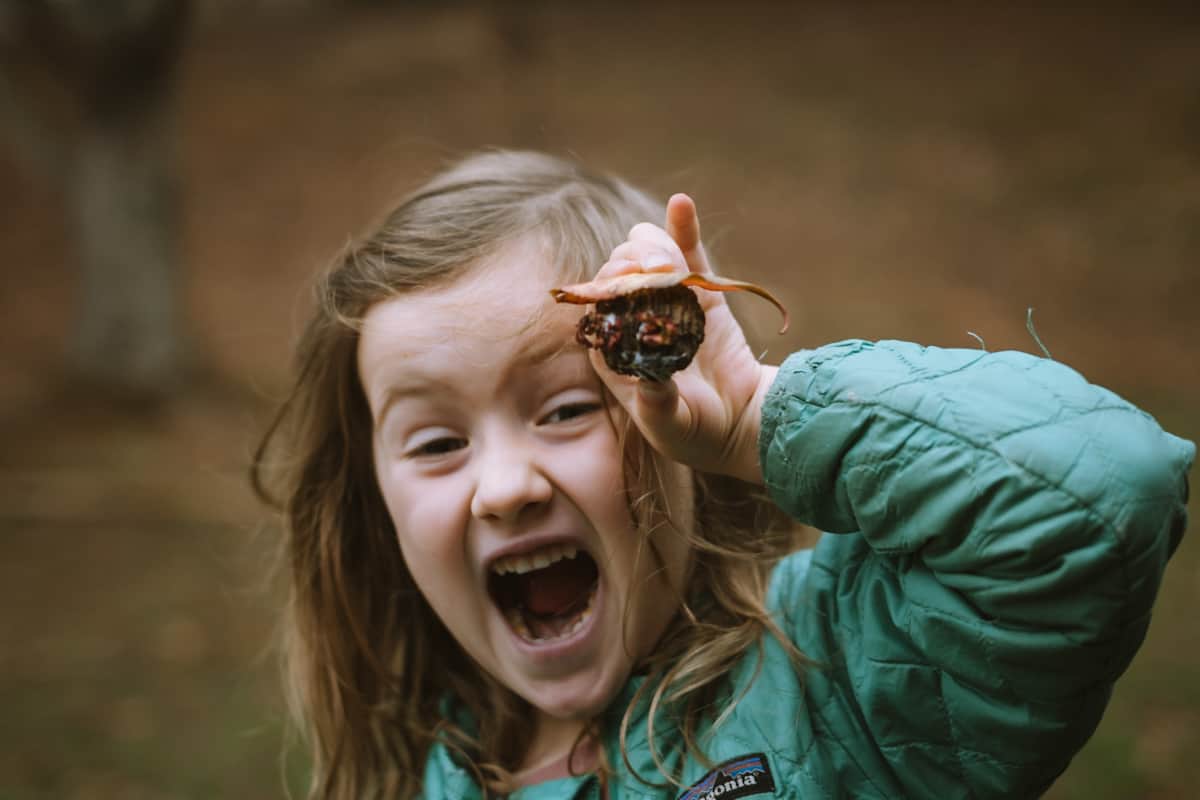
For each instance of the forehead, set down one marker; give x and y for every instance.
(498, 311)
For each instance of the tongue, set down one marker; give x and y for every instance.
(553, 590)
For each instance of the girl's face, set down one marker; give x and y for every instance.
(502, 473)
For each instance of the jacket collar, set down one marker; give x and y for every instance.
(446, 778)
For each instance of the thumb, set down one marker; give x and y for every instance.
(657, 410)
(661, 414)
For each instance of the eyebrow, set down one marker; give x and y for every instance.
(535, 351)
(540, 349)
(535, 344)
(404, 390)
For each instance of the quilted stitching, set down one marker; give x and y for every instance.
(865, 419)
(1007, 527)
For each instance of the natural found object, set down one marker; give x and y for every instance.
(649, 324)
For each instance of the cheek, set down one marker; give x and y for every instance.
(592, 474)
(427, 529)
(432, 548)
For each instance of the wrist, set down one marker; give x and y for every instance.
(748, 467)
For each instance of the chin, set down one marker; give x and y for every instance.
(580, 697)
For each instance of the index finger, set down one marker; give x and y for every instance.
(617, 265)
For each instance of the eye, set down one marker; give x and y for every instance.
(439, 446)
(569, 411)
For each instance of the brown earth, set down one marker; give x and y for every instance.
(908, 172)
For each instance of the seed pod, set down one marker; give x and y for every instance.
(648, 324)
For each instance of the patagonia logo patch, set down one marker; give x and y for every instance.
(739, 777)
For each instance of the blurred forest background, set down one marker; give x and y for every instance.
(174, 173)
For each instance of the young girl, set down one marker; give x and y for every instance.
(516, 573)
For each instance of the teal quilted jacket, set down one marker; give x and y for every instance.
(998, 529)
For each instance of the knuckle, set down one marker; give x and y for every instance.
(643, 230)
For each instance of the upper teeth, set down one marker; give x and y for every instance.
(528, 562)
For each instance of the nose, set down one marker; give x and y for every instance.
(510, 480)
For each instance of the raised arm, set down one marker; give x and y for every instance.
(1008, 525)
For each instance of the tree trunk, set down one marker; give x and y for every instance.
(93, 85)
(122, 199)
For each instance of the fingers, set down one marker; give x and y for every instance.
(619, 264)
(655, 408)
(650, 248)
(655, 248)
(659, 413)
(683, 226)
(621, 387)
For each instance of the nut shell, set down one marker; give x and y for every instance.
(649, 324)
(650, 333)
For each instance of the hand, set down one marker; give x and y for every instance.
(708, 415)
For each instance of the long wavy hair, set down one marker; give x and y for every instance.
(374, 677)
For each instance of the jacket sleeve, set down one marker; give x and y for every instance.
(1007, 526)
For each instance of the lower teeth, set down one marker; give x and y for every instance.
(516, 619)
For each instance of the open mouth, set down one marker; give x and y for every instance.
(547, 594)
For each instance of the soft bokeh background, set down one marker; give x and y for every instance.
(925, 172)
